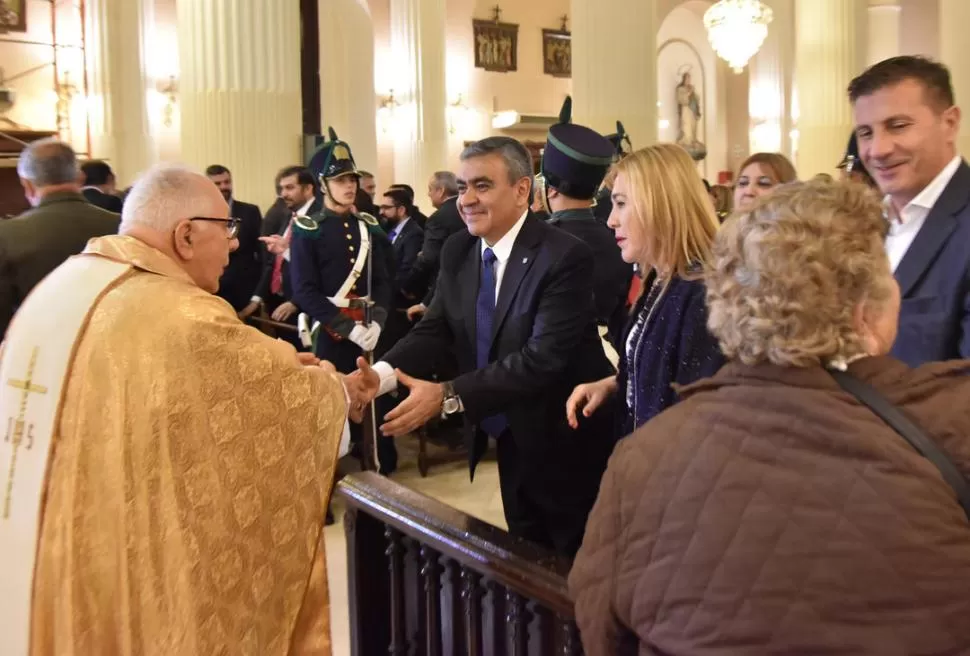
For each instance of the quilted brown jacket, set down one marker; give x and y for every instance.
(771, 513)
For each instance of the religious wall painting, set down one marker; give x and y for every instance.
(13, 16)
(557, 57)
(496, 46)
(689, 114)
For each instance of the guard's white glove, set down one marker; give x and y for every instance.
(365, 337)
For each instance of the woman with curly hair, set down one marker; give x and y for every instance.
(770, 511)
(665, 224)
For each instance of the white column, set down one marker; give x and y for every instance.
(615, 66)
(830, 50)
(954, 52)
(240, 89)
(119, 33)
(348, 100)
(884, 18)
(771, 74)
(419, 124)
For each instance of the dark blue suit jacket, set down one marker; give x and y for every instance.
(934, 279)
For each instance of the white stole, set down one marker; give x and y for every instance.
(37, 358)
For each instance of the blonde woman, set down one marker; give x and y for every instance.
(770, 512)
(664, 223)
(759, 174)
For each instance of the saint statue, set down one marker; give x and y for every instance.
(688, 118)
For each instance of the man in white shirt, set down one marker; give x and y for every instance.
(907, 126)
(514, 304)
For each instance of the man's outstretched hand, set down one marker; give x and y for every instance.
(422, 404)
(362, 386)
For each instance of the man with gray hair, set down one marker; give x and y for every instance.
(170, 467)
(59, 225)
(515, 304)
(446, 221)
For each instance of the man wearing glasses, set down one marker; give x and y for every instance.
(158, 438)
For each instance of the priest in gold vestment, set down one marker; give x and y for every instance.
(166, 469)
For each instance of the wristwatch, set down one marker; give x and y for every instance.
(451, 402)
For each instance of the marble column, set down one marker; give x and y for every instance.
(240, 90)
(771, 74)
(420, 126)
(119, 33)
(347, 93)
(615, 66)
(884, 32)
(830, 50)
(955, 53)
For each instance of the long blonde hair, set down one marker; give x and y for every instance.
(673, 211)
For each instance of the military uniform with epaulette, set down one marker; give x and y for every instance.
(574, 163)
(336, 262)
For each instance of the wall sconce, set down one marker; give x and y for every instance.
(168, 89)
(385, 112)
(457, 115)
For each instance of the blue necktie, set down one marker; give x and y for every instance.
(484, 320)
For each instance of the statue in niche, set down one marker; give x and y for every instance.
(689, 116)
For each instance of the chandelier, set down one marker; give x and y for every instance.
(736, 30)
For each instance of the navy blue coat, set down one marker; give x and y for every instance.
(321, 260)
(934, 280)
(677, 348)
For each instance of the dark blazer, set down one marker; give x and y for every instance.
(612, 275)
(405, 249)
(445, 222)
(100, 199)
(245, 269)
(39, 240)
(934, 279)
(544, 343)
(263, 288)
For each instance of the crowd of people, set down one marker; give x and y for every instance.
(740, 483)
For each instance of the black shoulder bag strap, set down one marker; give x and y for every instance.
(890, 414)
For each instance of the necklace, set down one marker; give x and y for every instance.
(657, 290)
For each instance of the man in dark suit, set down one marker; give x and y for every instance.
(515, 303)
(406, 238)
(275, 288)
(416, 212)
(907, 127)
(59, 225)
(99, 186)
(574, 162)
(446, 221)
(241, 277)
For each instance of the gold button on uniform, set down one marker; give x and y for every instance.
(350, 248)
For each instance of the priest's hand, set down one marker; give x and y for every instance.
(308, 359)
(284, 311)
(423, 403)
(366, 381)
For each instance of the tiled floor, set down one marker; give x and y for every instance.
(448, 483)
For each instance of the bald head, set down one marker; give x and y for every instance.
(46, 166)
(181, 213)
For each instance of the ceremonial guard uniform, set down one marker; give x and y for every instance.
(338, 262)
(574, 162)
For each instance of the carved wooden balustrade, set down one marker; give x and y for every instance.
(426, 578)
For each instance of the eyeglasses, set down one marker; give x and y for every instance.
(389, 207)
(232, 224)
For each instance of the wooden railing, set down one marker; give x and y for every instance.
(426, 578)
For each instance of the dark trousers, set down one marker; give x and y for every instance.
(544, 503)
(343, 354)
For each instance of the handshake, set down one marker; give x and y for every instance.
(361, 386)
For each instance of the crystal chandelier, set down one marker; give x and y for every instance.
(736, 30)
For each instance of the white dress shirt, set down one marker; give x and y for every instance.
(906, 224)
(503, 251)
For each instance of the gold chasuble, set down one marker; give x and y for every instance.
(165, 470)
